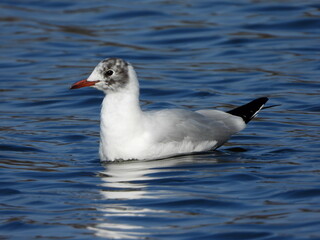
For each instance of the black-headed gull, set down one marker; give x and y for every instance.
(127, 132)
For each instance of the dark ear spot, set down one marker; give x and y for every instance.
(115, 72)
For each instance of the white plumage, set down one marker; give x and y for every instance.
(127, 132)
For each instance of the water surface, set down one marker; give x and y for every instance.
(263, 184)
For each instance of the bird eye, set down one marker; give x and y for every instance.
(109, 72)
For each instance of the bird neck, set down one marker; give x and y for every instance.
(121, 104)
(121, 107)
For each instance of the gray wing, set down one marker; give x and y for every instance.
(199, 126)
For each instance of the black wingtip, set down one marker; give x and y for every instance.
(249, 110)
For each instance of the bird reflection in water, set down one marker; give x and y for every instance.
(128, 188)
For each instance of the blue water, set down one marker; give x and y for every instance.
(263, 184)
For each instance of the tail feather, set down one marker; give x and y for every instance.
(249, 110)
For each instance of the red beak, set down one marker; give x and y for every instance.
(83, 83)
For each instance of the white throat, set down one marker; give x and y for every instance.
(120, 116)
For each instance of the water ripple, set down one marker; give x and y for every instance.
(193, 55)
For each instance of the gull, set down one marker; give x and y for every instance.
(127, 132)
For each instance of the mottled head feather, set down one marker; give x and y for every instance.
(112, 74)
